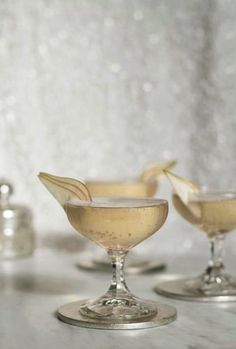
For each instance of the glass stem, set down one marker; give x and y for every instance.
(216, 261)
(118, 285)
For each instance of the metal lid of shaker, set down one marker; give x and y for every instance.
(12, 211)
(6, 190)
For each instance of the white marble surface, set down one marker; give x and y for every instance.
(32, 289)
(95, 88)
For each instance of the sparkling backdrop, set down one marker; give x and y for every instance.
(98, 89)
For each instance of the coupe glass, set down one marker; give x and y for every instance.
(92, 258)
(214, 212)
(145, 185)
(117, 225)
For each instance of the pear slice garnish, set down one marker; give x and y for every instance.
(154, 170)
(183, 187)
(64, 189)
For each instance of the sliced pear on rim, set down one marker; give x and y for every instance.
(183, 187)
(154, 170)
(64, 189)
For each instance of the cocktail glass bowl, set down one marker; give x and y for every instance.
(92, 259)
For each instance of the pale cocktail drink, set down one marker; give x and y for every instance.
(132, 189)
(214, 213)
(136, 188)
(143, 186)
(115, 223)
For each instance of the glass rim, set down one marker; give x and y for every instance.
(221, 193)
(120, 182)
(141, 202)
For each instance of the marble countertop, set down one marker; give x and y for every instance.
(33, 288)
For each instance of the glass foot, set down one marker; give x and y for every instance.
(119, 308)
(206, 287)
(72, 314)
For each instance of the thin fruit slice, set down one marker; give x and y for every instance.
(154, 170)
(182, 186)
(65, 189)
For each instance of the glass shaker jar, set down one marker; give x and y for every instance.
(16, 231)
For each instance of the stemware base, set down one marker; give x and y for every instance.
(70, 313)
(197, 289)
(119, 305)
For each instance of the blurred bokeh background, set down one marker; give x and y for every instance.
(99, 89)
